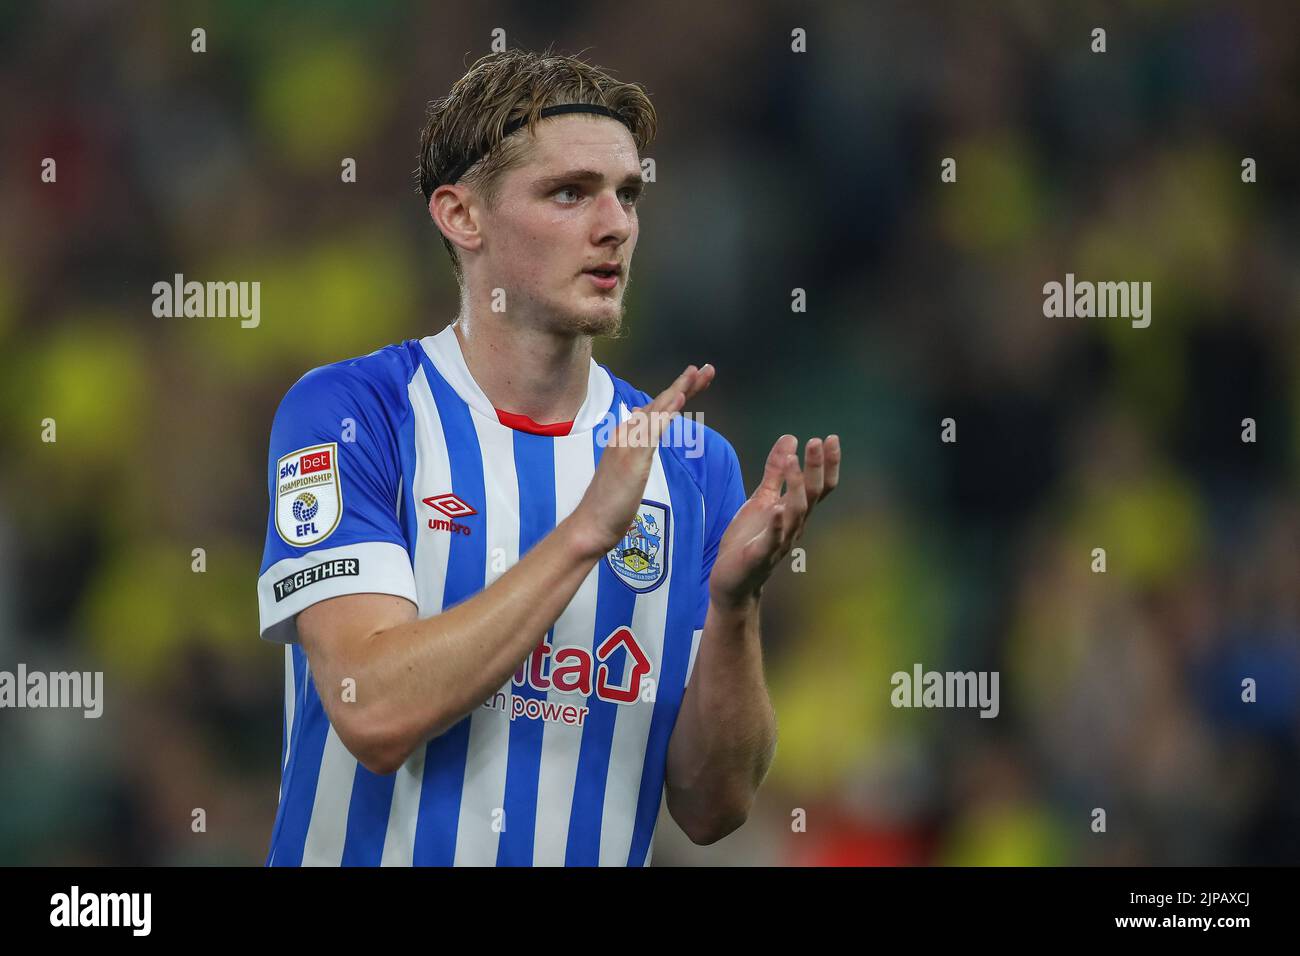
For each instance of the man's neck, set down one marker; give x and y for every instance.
(525, 370)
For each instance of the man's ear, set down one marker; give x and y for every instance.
(455, 212)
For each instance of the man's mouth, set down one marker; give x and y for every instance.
(606, 275)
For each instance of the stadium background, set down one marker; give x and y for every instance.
(775, 170)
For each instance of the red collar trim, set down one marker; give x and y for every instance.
(525, 424)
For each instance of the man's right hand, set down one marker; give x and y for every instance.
(606, 510)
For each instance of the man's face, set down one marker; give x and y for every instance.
(570, 207)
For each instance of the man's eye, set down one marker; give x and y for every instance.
(567, 190)
(630, 195)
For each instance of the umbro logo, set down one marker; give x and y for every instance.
(450, 505)
(453, 508)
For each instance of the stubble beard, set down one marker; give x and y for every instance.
(607, 322)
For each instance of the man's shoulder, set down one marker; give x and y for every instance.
(379, 378)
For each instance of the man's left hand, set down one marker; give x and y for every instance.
(767, 526)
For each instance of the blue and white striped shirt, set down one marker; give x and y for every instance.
(391, 473)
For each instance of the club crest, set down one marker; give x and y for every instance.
(641, 559)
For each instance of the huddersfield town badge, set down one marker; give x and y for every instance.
(641, 558)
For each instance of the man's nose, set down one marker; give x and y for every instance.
(612, 220)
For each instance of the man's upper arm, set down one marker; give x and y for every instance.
(332, 630)
(334, 479)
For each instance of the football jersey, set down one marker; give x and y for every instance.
(393, 474)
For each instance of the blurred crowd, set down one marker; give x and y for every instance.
(1121, 690)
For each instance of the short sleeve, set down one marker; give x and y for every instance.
(334, 486)
(724, 493)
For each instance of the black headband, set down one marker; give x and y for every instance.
(517, 124)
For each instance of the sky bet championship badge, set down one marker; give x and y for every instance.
(308, 496)
(641, 557)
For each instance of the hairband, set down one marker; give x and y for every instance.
(516, 124)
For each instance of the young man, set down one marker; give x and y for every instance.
(519, 606)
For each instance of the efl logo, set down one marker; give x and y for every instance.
(452, 507)
(309, 495)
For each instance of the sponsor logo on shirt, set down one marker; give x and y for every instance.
(579, 671)
(308, 495)
(453, 508)
(320, 461)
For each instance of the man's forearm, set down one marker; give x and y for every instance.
(418, 678)
(725, 736)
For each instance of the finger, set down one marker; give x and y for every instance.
(703, 379)
(661, 420)
(644, 424)
(795, 501)
(674, 396)
(814, 460)
(661, 412)
(690, 383)
(767, 543)
(832, 465)
(774, 467)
